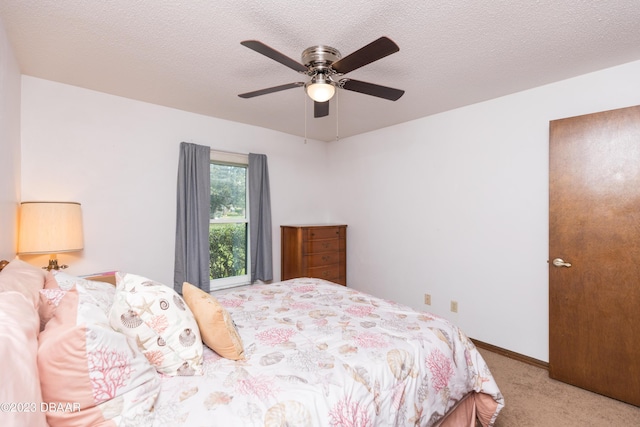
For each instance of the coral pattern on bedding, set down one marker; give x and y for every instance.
(82, 361)
(320, 354)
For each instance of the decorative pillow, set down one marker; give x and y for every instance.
(24, 278)
(96, 292)
(50, 297)
(97, 373)
(214, 321)
(160, 322)
(18, 351)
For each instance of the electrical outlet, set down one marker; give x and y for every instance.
(454, 306)
(427, 299)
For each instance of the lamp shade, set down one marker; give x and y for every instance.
(50, 227)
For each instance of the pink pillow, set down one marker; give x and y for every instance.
(24, 278)
(81, 360)
(18, 351)
(50, 297)
(50, 281)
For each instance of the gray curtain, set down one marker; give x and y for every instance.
(192, 221)
(260, 219)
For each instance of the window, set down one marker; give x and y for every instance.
(229, 263)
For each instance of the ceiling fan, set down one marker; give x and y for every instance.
(326, 66)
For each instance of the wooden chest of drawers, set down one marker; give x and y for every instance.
(314, 251)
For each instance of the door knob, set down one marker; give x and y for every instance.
(559, 262)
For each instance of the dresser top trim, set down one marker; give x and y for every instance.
(313, 225)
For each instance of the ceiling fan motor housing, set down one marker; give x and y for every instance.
(319, 58)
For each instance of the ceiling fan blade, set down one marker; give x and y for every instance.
(274, 54)
(320, 109)
(375, 50)
(372, 89)
(270, 90)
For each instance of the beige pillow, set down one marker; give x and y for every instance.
(216, 326)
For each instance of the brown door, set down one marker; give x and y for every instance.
(594, 225)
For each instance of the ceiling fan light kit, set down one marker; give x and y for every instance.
(320, 88)
(325, 66)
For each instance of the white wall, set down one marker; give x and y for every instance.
(119, 159)
(9, 146)
(456, 205)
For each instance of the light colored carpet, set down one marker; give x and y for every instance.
(532, 399)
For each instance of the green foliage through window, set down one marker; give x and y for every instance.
(228, 191)
(228, 244)
(227, 249)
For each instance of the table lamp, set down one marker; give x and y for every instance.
(50, 228)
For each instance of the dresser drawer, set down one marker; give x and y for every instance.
(318, 246)
(331, 272)
(320, 233)
(321, 259)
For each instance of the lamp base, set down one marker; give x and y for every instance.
(53, 264)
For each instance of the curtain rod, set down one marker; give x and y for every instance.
(229, 152)
(219, 151)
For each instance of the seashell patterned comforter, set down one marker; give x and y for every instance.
(320, 354)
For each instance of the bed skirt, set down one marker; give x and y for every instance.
(474, 406)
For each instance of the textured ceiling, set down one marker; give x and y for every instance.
(187, 54)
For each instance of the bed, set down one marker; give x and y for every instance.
(303, 352)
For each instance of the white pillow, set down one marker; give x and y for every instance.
(98, 293)
(160, 322)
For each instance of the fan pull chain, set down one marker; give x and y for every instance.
(305, 116)
(337, 115)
